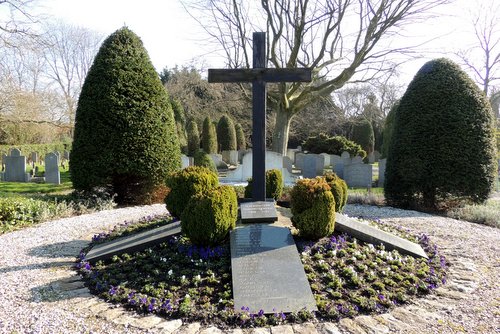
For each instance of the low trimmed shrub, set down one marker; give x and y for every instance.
(209, 216)
(187, 183)
(323, 143)
(313, 208)
(203, 159)
(274, 185)
(338, 189)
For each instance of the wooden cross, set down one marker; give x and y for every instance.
(259, 75)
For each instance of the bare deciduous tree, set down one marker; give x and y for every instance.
(483, 57)
(15, 19)
(339, 39)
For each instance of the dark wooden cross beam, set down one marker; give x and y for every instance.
(259, 75)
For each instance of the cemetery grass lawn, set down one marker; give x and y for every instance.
(16, 188)
(178, 280)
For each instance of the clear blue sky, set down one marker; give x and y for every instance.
(172, 37)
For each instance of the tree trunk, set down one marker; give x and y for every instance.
(281, 129)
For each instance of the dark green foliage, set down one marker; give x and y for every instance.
(323, 143)
(274, 184)
(441, 152)
(313, 208)
(338, 189)
(388, 128)
(202, 159)
(186, 183)
(209, 216)
(226, 134)
(362, 133)
(241, 142)
(209, 137)
(180, 123)
(125, 137)
(193, 138)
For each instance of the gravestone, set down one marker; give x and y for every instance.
(273, 161)
(337, 165)
(217, 159)
(312, 165)
(287, 164)
(357, 174)
(133, 243)
(258, 212)
(299, 160)
(364, 232)
(267, 272)
(381, 172)
(259, 76)
(15, 167)
(327, 159)
(34, 157)
(371, 157)
(230, 157)
(52, 174)
(184, 161)
(58, 156)
(290, 152)
(376, 155)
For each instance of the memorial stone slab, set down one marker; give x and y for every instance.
(357, 160)
(133, 243)
(267, 272)
(313, 165)
(327, 159)
(15, 167)
(364, 232)
(230, 157)
(258, 212)
(299, 160)
(52, 174)
(358, 175)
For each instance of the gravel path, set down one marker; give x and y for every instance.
(40, 293)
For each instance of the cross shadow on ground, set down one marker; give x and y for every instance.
(59, 250)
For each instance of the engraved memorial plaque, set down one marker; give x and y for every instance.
(258, 212)
(133, 243)
(267, 272)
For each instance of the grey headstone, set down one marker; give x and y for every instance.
(287, 164)
(376, 155)
(267, 272)
(381, 171)
(217, 159)
(372, 235)
(134, 243)
(337, 165)
(357, 160)
(15, 167)
(327, 159)
(58, 156)
(299, 160)
(358, 175)
(34, 157)
(258, 212)
(52, 174)
(313, 165)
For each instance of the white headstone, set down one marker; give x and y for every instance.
(184, 161)
(52, 174)
(230, 157)
(15, 167)
(217, 159)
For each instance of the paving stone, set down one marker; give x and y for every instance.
(423, 313)
(111, 314)
(99, 308)
(86, 303)
(445, 292)
(371, 325)
(350, 326)
(83, 292)
(394, 324)
(235, 331)
(306, 328)
(211, 330)
(189, 329)
(329, 328)
(283, 329)
(407, 317)
(124, 319)
(170, 326)
(146, 322)
(260, 330)
(65, 286)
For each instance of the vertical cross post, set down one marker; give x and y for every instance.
(259, 120)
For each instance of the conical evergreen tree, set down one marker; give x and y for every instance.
(209, 136)
(125, 137)
(441, 149)
(241, 142)
(180, 123)
(193, 138)
(226, 134)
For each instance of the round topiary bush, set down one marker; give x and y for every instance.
(209, 216)
(338, 189)
(209, 137)
(442, 151)
(202, 159)
(125, 136)
(226, 134)
(241, 142)
(313, 208)
(187, 183)
(193, 138)
(323, 143)
(274, 185)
